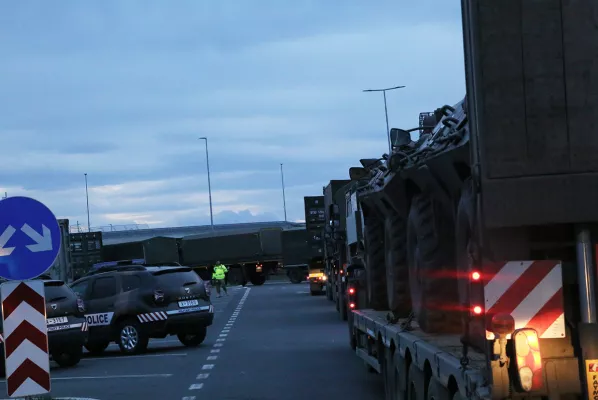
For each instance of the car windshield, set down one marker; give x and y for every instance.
(57, 290)
(177, 277)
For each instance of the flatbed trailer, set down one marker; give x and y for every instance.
(402, 352)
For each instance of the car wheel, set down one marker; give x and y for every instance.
(193, 339)
(96, 348)
(68, 358)
(131, 339)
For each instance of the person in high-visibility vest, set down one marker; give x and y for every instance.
(218, 277)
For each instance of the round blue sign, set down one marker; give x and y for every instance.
(30, 238)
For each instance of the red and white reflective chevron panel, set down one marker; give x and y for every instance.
(152, 317)
(530, 291)
(25, 338)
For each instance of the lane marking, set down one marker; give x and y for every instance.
(189, 398)
(202, 376)
(223, 335)
(208, 366)
(140, 356)
(196, 386)
(215, 351)
(212, 358)
(70, 378)
(217, 344)
(220, 340)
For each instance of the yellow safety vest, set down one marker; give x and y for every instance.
(219, 272)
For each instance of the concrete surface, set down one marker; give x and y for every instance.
(268, 342)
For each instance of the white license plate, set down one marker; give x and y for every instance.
(188, 303)
(57, 320)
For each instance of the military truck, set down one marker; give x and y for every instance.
(480, 231)
(334, 251)
(254, 255)
(295, 254)
(154, 251)
(315, 219)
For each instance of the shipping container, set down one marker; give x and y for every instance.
(242, 248)
(61, 269)
(315, 212)
(271, 242)
(86, 250)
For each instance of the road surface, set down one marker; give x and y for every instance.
(268, 342)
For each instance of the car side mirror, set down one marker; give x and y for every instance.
(399, 137)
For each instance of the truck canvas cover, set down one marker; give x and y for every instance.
(294, 247)
(231, 249)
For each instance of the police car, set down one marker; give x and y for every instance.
(129, 304)
(65, 318)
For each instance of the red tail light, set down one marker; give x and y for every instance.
(476, 276)
(351, 290)
(158, 296)
(80, 305)
(351, 305)
(477, 310)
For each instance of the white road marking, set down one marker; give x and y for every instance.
(196, 386)
(220, 340)
(70, 378)
(202, 376)
(212, 358)
(189, 398)
(225, 330)
(215, 351)
(208, 366)
(223, 335)
(140, 356)
(217, 344)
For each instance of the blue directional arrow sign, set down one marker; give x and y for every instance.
(29, 238)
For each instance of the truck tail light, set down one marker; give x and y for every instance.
(351, 291)
(477, 310)
(528, 358)
(80, 305)
(352, 306)
(475, 276)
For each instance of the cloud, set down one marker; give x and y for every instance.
(122, 91)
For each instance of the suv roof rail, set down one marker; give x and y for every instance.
(116, 268)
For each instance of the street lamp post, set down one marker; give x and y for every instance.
(87, 200)
(284, 199)
(209, 183)
(386, 111)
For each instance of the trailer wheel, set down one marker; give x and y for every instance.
(397, 270)
(436, 391)
(375, 268)
(257, 280)
(415, 385)
(432, 275)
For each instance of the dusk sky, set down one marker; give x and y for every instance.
(122, 90)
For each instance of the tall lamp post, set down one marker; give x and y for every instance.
(87, 200)
(386, 110)
(284, 199)
(209, 183)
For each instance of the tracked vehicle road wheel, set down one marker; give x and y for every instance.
(397, 271)
(432, 275)
(375, 268)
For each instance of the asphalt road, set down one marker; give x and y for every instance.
(268, 342)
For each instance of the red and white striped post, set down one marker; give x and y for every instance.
(25, 338)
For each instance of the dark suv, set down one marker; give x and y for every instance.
(131, 304)
(67, 328)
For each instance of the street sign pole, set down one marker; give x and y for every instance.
(29, 244)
